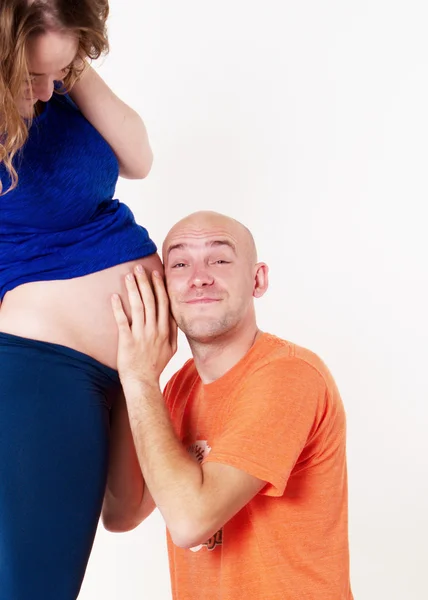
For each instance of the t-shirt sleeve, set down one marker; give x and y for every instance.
(270, 421)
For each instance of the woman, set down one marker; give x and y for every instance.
(65, 246)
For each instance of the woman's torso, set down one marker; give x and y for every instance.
(65, 243)
(74, 312)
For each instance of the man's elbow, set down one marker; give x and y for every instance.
(191, 534)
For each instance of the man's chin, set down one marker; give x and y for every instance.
(203, 332)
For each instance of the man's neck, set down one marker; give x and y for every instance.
(215, 358)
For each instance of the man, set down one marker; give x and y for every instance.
(244, 453)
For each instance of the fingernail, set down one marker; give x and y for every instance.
(156, 273)
(129, 277)
(140, 268)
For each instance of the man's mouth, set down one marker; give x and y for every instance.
(203, 300)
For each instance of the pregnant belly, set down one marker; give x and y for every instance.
(74, 312)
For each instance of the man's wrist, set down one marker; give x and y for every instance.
(140, 388)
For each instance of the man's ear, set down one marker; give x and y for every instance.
(261, 279)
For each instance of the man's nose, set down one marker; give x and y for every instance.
(201, 278)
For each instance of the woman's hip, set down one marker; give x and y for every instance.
(54, 431)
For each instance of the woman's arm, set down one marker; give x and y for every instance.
(119, 124)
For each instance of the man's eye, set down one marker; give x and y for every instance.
(178, 265)
(220, 261)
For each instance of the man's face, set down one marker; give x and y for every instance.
(210, 280)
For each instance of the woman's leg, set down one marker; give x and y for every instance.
(54, 428)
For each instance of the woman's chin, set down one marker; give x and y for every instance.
(26, 108)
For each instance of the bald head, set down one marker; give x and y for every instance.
(212, 277)
(212, 225)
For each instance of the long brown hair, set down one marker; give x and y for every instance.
(21, 19)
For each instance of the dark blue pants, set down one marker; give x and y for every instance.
(54, 433)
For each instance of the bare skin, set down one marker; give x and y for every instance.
(74, 312)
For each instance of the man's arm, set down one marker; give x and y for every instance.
(195, 501)
(127, 500)
(119, 124)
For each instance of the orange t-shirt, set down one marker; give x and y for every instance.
(278, 416)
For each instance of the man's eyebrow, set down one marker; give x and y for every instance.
(175, 247)
(212, 244)
(222, 242)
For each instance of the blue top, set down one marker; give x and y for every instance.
(61, 221)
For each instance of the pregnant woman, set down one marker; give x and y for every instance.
(65, 246)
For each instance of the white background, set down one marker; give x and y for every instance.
(308, 122)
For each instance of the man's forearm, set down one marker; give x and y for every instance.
(175, 479)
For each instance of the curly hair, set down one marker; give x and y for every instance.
(19, 21)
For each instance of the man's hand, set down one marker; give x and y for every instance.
(147, 345)
(195, 500)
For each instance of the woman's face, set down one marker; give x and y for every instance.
(49, 56)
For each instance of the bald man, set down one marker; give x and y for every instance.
(244, 452)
